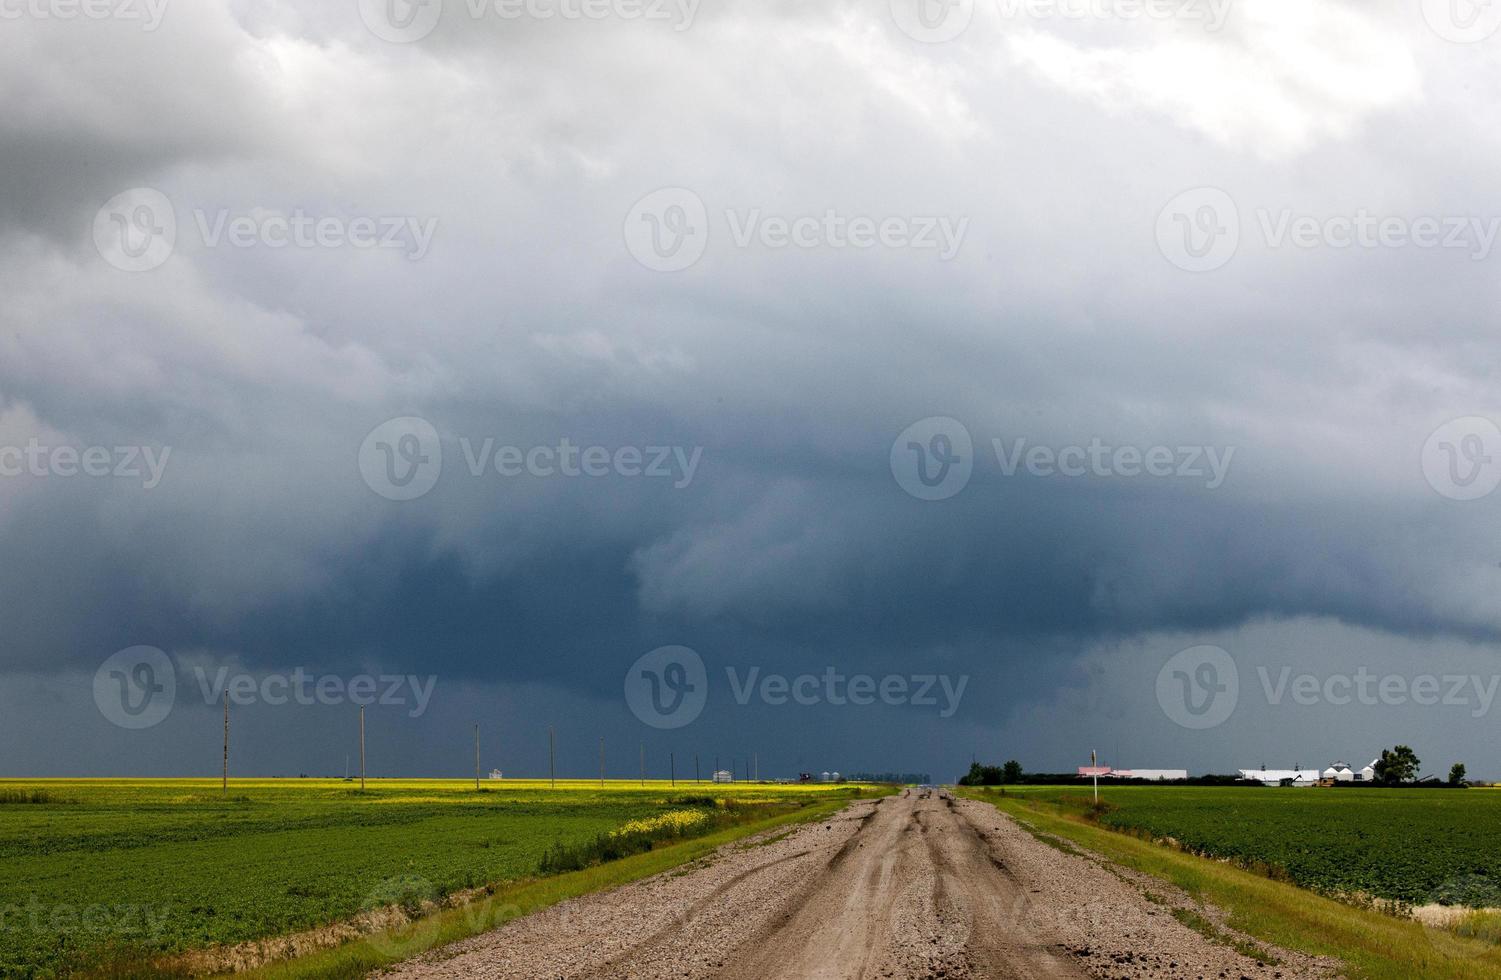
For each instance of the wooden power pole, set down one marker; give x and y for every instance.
(601, 761)
(476, 758)
(672, 769)
(552, 757)
(362, 748)
(226, 744)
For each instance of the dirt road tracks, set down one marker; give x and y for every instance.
(914, 885)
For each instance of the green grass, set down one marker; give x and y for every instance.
(1371, 945)
(521, 898)
(107, 874)
(1405, 846)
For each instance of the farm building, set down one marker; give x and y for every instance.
(497, 774)
(1338, 772)
(1106, 772)
(1296, 777)
(723, 776)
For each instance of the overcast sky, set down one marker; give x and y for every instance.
(1104, 337)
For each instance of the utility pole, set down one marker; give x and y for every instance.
(643, 763)
(552, 757)
(672, 769)
(601, 761)
(695, 768)
(756, 767)
(226, 743)
(476, 758)
(362, 748)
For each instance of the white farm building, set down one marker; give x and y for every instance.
(1338, 772)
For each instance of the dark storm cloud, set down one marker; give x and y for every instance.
(792, 370)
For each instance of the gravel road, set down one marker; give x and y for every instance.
(914, 885)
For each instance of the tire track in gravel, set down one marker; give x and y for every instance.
(914, 886)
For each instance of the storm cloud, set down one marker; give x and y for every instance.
(788, 361)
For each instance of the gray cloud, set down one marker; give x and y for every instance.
(792, 369)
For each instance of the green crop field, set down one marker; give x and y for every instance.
(1408, 846)
(121, 870)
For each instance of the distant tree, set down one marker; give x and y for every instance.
(979, 775)
(1457, 774)
(1396, 766)
(1011, 772)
